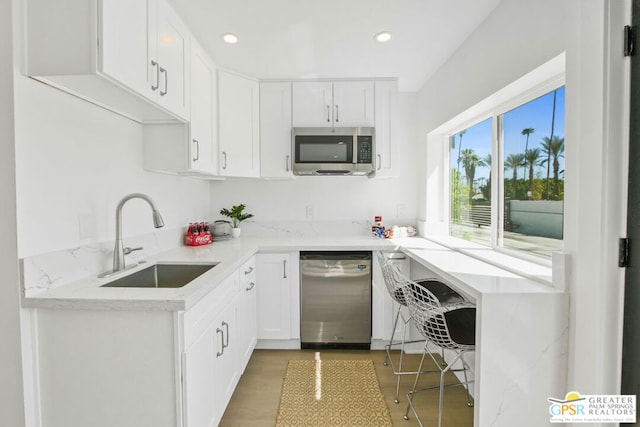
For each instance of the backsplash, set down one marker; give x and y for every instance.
(54, 269)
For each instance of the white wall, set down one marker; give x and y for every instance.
(11, 397)
(516, 38)
(75, 161)
(333, 198)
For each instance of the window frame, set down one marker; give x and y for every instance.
(538, 83)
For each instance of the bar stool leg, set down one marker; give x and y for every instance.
(415, 386)
(387, 360)
(404, 338)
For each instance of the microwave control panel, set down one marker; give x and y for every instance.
(365, 149)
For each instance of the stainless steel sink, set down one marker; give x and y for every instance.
(161, 276)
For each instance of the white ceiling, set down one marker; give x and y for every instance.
(296, 39)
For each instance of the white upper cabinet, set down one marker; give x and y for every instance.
(339, 104)
(203, 143)
(188, 148)
(275, 130)
(386, 115)
(239, 125)
(119, 54)
(168, 58)
(353, 104)
(313, 104)
(125, 42)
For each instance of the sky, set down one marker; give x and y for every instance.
(536, 114)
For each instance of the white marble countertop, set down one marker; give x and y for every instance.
(87, 293)
(473, 276)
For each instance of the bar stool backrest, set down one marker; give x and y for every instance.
(392, 279)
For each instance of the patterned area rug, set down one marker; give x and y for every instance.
(332, 393)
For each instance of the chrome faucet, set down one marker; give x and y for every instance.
(119, 251)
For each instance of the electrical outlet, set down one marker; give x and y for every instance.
(401, 210)
(309, 211)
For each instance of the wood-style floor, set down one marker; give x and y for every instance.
(256, 399)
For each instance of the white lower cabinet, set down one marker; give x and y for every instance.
(211, 363)
(210, 370)
(383, 306)
(278, 296)
(247, 317)
(132, 368)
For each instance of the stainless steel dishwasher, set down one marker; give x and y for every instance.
(335, 299)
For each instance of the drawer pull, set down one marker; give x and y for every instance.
(220, 353)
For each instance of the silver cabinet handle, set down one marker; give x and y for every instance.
(157, 67)
(337, 113)
(328, 114)
(379, 161)
(249, 271)
(226, 325)
(286, 163)
(220, 353)
(224, 164)
(166, 81)
(251, 286)
(197, 156)
(284, 268)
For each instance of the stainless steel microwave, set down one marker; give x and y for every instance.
(333, 151)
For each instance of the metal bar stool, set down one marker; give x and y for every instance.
(394, 283)
(450, 327)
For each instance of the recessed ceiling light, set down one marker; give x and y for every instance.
(382, 37)
(230, 38)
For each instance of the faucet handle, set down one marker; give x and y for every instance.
(127, 251)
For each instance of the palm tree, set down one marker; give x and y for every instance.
(486, 160)
(553, 124)
(532, 158)
(554, 148)
(527, 132)
(513, 162)
(470, 160)
(460, 147)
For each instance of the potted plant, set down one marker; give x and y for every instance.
(237, 216)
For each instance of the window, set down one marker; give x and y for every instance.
(525, 154)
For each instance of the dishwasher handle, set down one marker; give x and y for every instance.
(335, 255)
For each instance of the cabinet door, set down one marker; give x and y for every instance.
(239, 125)
(275, 130)
(383, 306)
(172, 44)
(353, 104)
(203, 150)
(386, 106)
(225, 369)
(123, 42)
(247, 320)
(313, 104)
(274, 296)
(199, 379)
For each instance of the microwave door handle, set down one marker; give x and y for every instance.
(355, 149)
